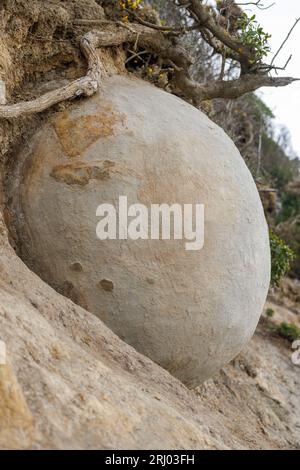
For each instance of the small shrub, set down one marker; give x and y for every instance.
(288, 331)
(270, 313)
(281, 256)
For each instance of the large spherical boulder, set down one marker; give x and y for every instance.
(189, 311)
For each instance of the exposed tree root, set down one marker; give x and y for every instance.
(152, 40)
(86, 85)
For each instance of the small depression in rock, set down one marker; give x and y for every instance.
(107, 285)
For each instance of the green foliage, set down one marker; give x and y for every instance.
(277, 164)
(290, 206)
(281, 256)
(289, 228)
(258, 107)
(253, 36)
(288, 331)
(270, 313)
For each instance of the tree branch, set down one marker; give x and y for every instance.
(257, 4)
(111, 35)
(86, 86)
(154, 41)
(285, 40)
(2, 92)
(170, 29)
(203, 16)
(229, 89)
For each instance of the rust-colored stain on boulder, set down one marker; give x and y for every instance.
(81, 173)
(77, 134)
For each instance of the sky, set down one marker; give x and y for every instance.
(284, 102)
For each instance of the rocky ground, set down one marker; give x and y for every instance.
(69, 382)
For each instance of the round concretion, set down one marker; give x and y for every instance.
(189, 311)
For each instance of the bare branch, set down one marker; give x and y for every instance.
(155, 42)
(286, 39)
(223, 64)
(267, 68)
(2, 92)
(203, 16)
(229, 89)
(256, 4)
(217, 46)
(167, 29)
(135, 55)
(113, 35)
(86, 86)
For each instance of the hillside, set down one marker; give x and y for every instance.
(69, 381)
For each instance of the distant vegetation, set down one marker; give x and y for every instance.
(282, 256)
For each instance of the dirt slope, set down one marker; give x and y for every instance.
(71, 383)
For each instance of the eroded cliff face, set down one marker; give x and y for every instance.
(68, 381)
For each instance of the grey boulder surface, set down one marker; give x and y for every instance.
(189, 311)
